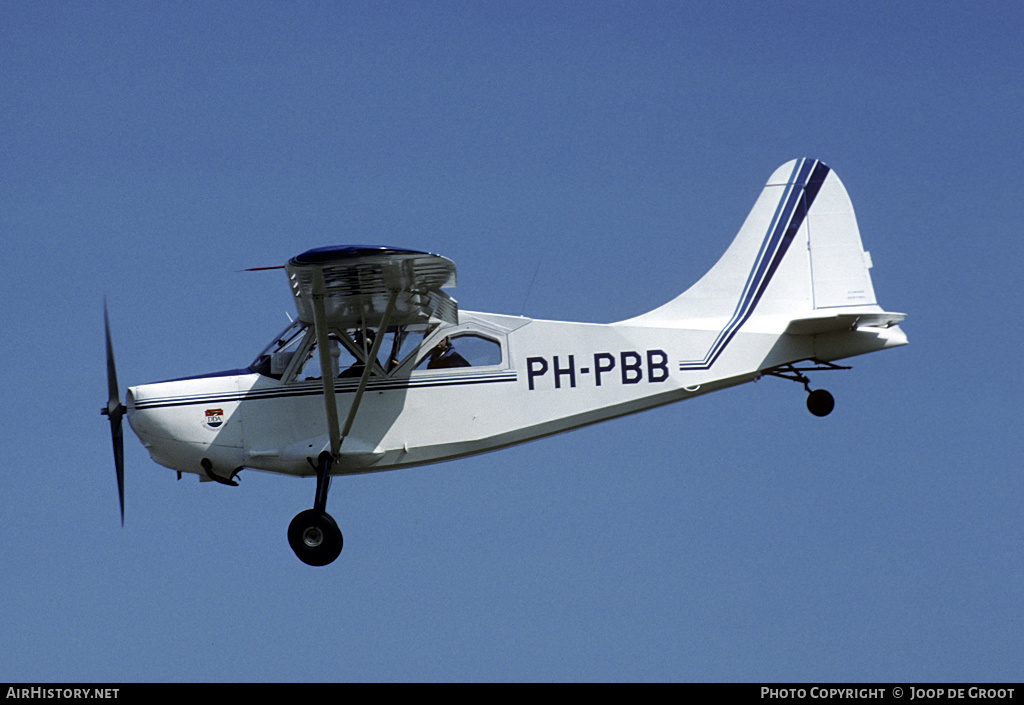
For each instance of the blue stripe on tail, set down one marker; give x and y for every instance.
(798, 197)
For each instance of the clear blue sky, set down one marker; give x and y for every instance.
(150, 150)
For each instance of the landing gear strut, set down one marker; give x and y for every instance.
(819, 401)
(313, 534)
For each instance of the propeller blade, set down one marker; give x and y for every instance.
(117, 435)
(113, 391)
(114, 411)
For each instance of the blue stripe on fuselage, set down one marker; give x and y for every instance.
(301, 389)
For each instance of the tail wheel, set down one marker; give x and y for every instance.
(820, 402)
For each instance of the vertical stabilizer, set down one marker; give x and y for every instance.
(798, 250)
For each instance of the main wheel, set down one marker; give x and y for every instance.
(820, 402)
(315, 537)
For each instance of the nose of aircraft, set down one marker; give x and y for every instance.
(169, 421)
(140, 422)
(151, 427)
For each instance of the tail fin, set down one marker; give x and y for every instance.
(798, 251)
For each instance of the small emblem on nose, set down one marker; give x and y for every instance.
(214, 418)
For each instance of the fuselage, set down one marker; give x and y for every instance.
(536, 378)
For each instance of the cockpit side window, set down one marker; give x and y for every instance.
(462, 350)
(349, 349)
(343, 362)
(293, 356)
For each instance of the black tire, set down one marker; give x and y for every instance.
(315, 537)
(820, 402)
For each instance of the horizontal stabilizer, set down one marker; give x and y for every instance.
(842, 321)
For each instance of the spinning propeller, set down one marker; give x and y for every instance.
(114, 410)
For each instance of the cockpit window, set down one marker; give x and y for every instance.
(293, 356)
(343, 362)
(462, 350)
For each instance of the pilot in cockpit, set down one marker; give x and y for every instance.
(444, 356)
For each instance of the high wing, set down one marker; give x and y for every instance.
(358, 283)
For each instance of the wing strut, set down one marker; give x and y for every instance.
(370, 362)
(326, 368)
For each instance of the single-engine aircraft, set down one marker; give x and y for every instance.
(354, 384)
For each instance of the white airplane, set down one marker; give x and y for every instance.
(354, 385)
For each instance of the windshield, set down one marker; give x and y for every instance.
(275, 358)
